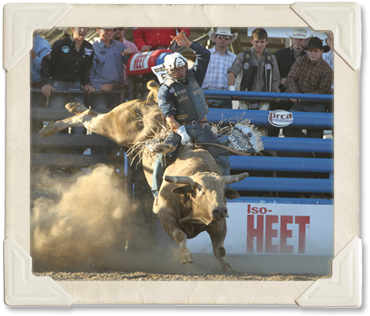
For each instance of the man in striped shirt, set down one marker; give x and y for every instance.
(221, 60)
(309, 74)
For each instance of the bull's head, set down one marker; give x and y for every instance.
(208, 194)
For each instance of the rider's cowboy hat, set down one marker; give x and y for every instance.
(298, 32)
(226, 31)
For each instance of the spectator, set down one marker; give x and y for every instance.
(119, 35)
(66, 67)
(250, 67)
(39, 50)
(256, 70)
(148, 38)
(285, 59)
(329, 58)
(309, 74)
(107, 70)
(221, 60)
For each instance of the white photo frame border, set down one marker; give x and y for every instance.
(344, 22)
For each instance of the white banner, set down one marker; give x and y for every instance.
(140, 61)
(289, 229)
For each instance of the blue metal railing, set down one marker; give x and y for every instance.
(299, 144)
(284, 185)
(246, 95)
(281, 164)
(260, 118)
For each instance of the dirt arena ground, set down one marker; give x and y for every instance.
(140, 276)
(94, 232)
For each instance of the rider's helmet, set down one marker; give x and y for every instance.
(176, 66)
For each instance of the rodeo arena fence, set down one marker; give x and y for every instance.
(285, 205)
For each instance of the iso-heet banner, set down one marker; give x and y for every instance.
(291, 229)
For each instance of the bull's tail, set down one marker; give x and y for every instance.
(153, 88)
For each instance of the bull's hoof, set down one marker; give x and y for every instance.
(47, 131)
(75, 107)
(227, 268)
(186, 257)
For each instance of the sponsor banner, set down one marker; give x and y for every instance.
(280, 118)
(140, 61)
(288, 229)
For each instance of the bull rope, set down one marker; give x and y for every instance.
(227, 148)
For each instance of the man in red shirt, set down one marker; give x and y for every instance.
(149, 38)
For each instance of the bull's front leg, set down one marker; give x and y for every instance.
(217, 232)
(170, 224)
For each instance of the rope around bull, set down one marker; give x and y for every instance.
(239, 153)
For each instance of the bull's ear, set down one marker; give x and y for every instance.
(182, 189)
(231, 194)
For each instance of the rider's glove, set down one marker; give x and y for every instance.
(185, 138)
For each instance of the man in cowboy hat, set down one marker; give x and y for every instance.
(285, 59)
(287, 56)
(221, 60)
(309, 74)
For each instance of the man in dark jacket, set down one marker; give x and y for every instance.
(66, 67)
(285, 59)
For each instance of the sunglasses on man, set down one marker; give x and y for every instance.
(118, 29)
(226, 37)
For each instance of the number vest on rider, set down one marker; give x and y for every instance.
(250, 72)
(191, 103)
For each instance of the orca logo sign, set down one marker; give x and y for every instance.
(280, 118)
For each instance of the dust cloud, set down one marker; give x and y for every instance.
(94, 226)
(88, 223)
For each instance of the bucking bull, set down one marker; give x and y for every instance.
(192, 199)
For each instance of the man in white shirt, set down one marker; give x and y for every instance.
(221, 60)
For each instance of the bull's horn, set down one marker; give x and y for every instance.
(235, 178)
(181, 180)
